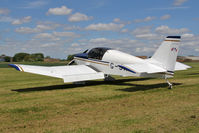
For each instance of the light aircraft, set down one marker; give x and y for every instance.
(101, 62)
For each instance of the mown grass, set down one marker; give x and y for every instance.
(34, 103)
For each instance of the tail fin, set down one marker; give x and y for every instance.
(167, 53)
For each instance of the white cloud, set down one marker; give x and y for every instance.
(39, 28)
(158, 33)
(114, 43)
(52, 44)
(124, 30)
(142, 30)
(45, 36)
(59, 11)
(187, 36)
(123, 44)
(35, 4)
(74, 44)
(171, 8)
(145, 50)
(149, 36)
(98, 40)
(72, 27)
(66, 34)
(21, 21)
(165, 17)
(145, 33)
(6, 19)
(117, 20)
(4, 11)
(79, 17)
(178, 2)
(197, 50)
(15, 21)
(105, 27)
(163, 29)
(26, 30)
(56, 36)
(147, 19)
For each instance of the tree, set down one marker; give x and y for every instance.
(19, 57)
(38, 56)
(28, 57)
(7, 58)
(47, 57)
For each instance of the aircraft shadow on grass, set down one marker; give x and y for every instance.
(122, 82)
(138, 87)
(193, 74)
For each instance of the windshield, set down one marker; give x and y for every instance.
(97, 53)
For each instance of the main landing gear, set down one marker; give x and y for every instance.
(170, 84)
(108, 78)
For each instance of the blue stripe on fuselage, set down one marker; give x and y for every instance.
(125, 68)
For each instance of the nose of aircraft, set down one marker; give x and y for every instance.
(80, 55)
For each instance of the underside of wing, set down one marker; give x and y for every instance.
(71, 73)
(143, 68)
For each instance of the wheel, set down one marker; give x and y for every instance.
(170, 86)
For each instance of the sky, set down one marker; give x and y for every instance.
(63, 27)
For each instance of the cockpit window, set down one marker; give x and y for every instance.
(97, 53)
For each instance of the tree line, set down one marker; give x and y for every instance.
(26, 57)
(21, 57)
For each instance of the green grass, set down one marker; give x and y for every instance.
(34, 103)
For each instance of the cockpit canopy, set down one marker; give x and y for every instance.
(97, 53)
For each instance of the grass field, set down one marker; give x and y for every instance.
(34, 103)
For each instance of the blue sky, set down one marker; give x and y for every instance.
(71, 26)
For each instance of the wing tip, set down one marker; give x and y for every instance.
(15, 66)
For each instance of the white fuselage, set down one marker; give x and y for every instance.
(110, 63)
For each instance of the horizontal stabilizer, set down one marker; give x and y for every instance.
(181, 66)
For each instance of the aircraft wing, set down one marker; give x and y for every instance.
(143, 68)
(181, 66)
(71, 73)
